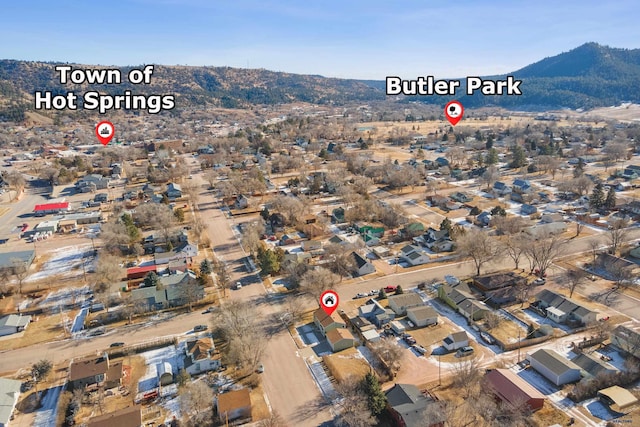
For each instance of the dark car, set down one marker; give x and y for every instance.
(200, 328)
(117, 344)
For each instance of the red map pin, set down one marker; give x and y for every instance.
(453, 111)
(105, 131)
(329, 301)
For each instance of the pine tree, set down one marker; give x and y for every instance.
(492, 157)
(596, 200)
(151, 279)
(205, 267)
(519, 158)
(399, 290)
(376, 399)
(446, 225)
(610, 201)
(382, 294)
(268, 261)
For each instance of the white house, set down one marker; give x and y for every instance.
(201, 356)
(362, 267)
(554, 367)
(413, 255)
(13, 323)
(456, 340)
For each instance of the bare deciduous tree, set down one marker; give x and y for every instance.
(479, 246)
(515, 247)
(467, 376)
(20, 271)
(318, 280)
(353, 408)
(617, 234)
(195, 402)
(388, 350)
(543, 252)
(572, 279)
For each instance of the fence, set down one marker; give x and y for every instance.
(142, 347)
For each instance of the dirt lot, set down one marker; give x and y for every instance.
(430, 335)
(44, 329)
(508, 331)
(346, 363)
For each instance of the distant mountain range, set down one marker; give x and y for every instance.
(586, 77)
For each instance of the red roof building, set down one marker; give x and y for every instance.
(509, 387)
(140, 272)
(51, 207)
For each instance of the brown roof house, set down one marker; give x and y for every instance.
(340, 339)
(234, 405)
(127, 417)
(326, 322)
(509, 387)
(201, 356)
(94, 371)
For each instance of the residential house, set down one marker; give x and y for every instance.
(631, 172)
(593, 366)
(413, 255)
(94, 371)
(234, 405)
(627, 338)
(473, 310)
(201, 356)
(455, 341)
(242, 202)
(615, 265)
(361, 266)
(483, 219)
(375, 313)
(618, 399)
(540, 231)
(422, 316)
(13, 323)
(400, 303)
(127, 417)
(441, 162)
(174, 191)
(460, 197)
(438, 240)
(327, 322)
(454, 293)
(521, 186)
(175, 290)
(549, 218)
(407, 405)
(499, 289)
(527, 209)
(311, 245)
(561, 309)
(340, 339)
(554, 367)
(92, 182)
(508, 387)
(500, 188)
(412, 229)
(9, 395)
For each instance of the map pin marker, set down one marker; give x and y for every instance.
(329, 301)
(453, 111)
(105, 131)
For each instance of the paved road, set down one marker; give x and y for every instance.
(287, 381)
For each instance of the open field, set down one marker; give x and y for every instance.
(44, 329)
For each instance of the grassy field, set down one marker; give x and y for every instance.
(347, 363)
(44, 329)
(507, 331)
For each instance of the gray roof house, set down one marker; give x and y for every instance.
(423, 316)
(13, 323)
(362, 267)
(592, 366)
(174, 191)
(554, 367)
(9, 395)
(400, 303)
(456, 340)
(407, 405)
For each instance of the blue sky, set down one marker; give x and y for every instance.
(356, 39)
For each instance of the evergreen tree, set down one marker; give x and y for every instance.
(596, 200)
(376, 399)
(446, 225)
(151, 279)
(182, 378)
(610, 201)
(382, 294)
(179, 214)
(268, 261)
(498, 210)
(264, 213)
(205, 267)
(519, 158)
(475, 211)
(399, 290)
(579, 170)
(492, 156)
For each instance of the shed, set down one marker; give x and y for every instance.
(510, 388)
(456, 340)
(619, 399)
(554, 367)
(234, 404)
(165, 373)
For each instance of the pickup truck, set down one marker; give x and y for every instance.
(390, 288)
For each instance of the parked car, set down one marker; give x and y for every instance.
(360, 295)
(209, 310)
(487, 338)
(420, 349)
(373, 292)
(200, 328)
(409, 340)
(464, 351)
(260, 368)
(24, 227)
(238, 285)
(390, 288)
(117, 344)
(540, 281)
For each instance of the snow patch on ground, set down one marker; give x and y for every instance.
(171, 354)
(65, 262)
